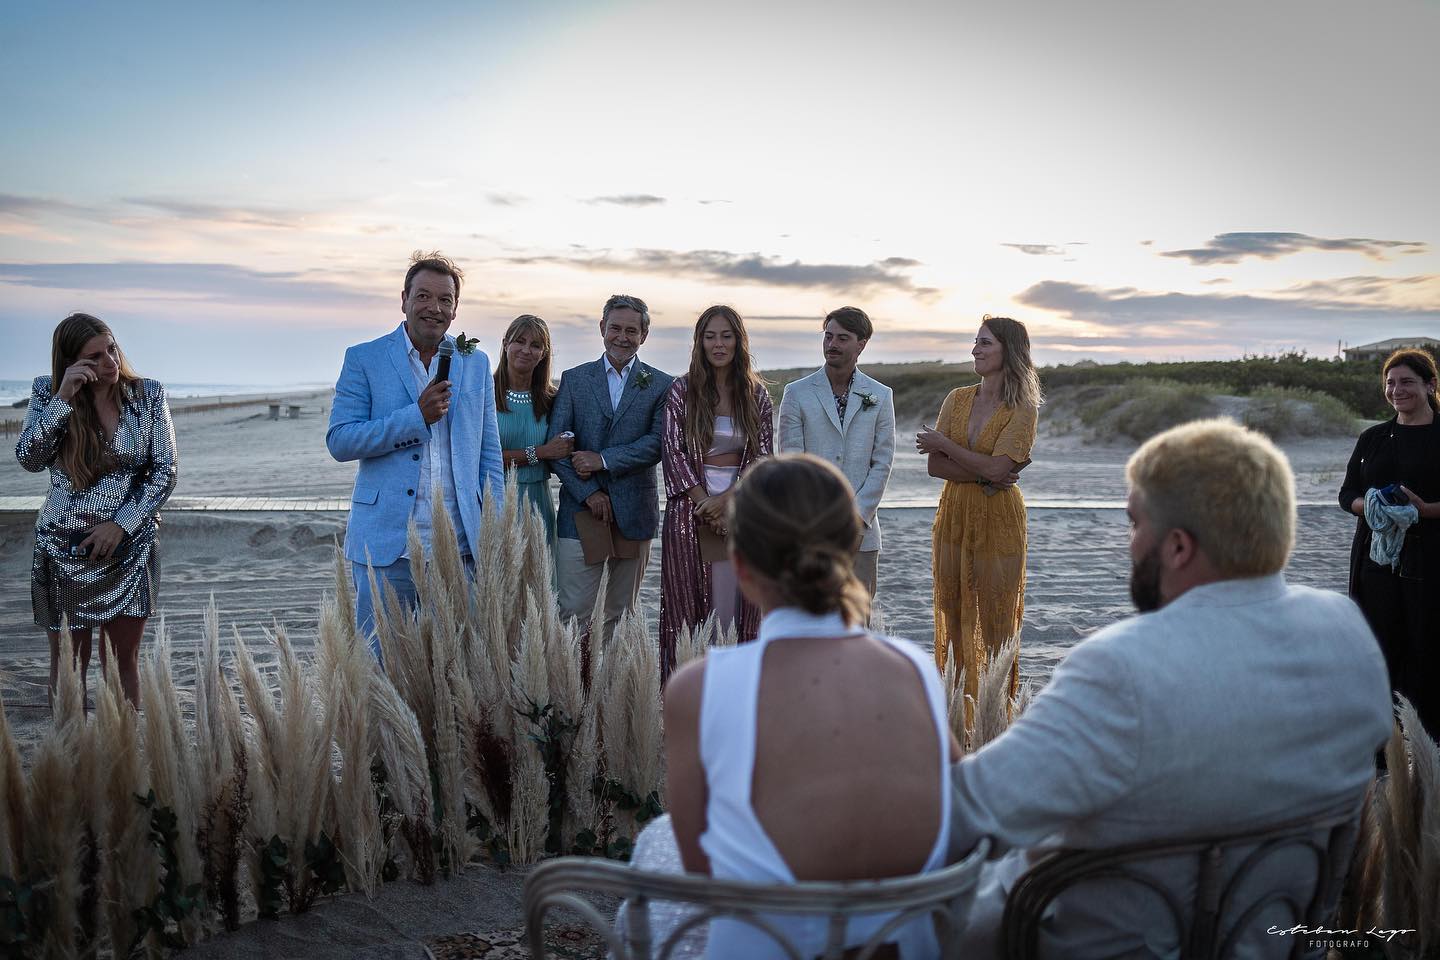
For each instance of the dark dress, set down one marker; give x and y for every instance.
(1403, 605)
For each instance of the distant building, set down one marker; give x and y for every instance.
(1383, 349)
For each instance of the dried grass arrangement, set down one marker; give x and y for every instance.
(253, 791)
(977, 720)
(1394, 879)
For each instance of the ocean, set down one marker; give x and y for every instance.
(14, 392)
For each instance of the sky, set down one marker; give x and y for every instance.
(236, 188)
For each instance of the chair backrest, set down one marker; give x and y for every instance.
(1231, 886)
(944, 895)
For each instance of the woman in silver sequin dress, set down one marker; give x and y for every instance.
(105, 435)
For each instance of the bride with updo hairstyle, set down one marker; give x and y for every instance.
(777, 749)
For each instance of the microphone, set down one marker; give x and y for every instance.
(445, 352)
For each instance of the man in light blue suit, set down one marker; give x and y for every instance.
(615, 406)
(416, 435)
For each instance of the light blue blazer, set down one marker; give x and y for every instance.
(376, 419)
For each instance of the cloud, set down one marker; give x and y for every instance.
(506, 199)
(31, 207)
(1235, 247)
(1214, 280)
(629, 200)
(750, 268)
(1367, 288)
(706, 203)
(1217, 320)
(1036, 249)
(278, 218)
(206, 282)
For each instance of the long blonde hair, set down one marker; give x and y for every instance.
(704, 396)
(84, 453)
(1020, 386)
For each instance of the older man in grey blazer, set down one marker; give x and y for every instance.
(615, 407)
(1234, 702)
(841, 415)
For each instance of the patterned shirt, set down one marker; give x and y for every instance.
(842, 400)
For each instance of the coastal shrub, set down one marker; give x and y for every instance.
(1356, 384)
(1142, 408)
(1282, 412)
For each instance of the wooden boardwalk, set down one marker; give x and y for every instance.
(211, 504)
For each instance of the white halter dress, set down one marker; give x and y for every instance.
(734, 838)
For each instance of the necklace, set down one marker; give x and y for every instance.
(518, 396)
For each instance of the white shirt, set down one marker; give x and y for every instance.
(615, 379)
(434, 465)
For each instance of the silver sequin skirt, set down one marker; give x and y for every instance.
(89, 593)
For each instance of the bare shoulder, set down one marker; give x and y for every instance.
(683, 692)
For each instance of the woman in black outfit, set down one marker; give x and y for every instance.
(1403, 604)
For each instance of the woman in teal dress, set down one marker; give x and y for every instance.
(523, 395)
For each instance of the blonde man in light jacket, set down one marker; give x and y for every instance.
(841, 415)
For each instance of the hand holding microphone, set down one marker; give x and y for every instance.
(435, 398)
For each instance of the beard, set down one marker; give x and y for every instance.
(1145, 581)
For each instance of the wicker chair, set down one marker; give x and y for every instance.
(1211, 926)
(945, 895)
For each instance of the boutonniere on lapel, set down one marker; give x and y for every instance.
(867, 400)
(642, 378)
(466, 345)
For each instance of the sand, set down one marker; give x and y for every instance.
(263, 568)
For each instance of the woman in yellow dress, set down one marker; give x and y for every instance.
(978, 445)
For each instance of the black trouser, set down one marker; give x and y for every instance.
(1401, 612)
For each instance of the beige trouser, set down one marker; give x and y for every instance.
(577, 583)
(867, 563)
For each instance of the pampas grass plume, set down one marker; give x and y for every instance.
(130, 868)
(14, 806)
(56, 835)
(172, 767)
(347, 694)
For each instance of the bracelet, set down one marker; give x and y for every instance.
(530, 457)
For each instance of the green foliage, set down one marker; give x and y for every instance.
(174, 901)
(1142, 408)
(1297, 411)
(614, 792)
(274, 874)
(24, 918)
(1355, 384)
(326, 870)
(380, 781)
(553, 734)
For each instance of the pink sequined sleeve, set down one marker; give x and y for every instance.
(681, 473)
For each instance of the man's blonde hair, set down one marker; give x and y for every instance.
(1229, 487)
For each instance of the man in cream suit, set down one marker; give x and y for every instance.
(416, 436)
(839, 414)
(1233, 703)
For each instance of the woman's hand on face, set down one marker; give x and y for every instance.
(929, 440)
(77, 375)
(556, 449)
(103, 540)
